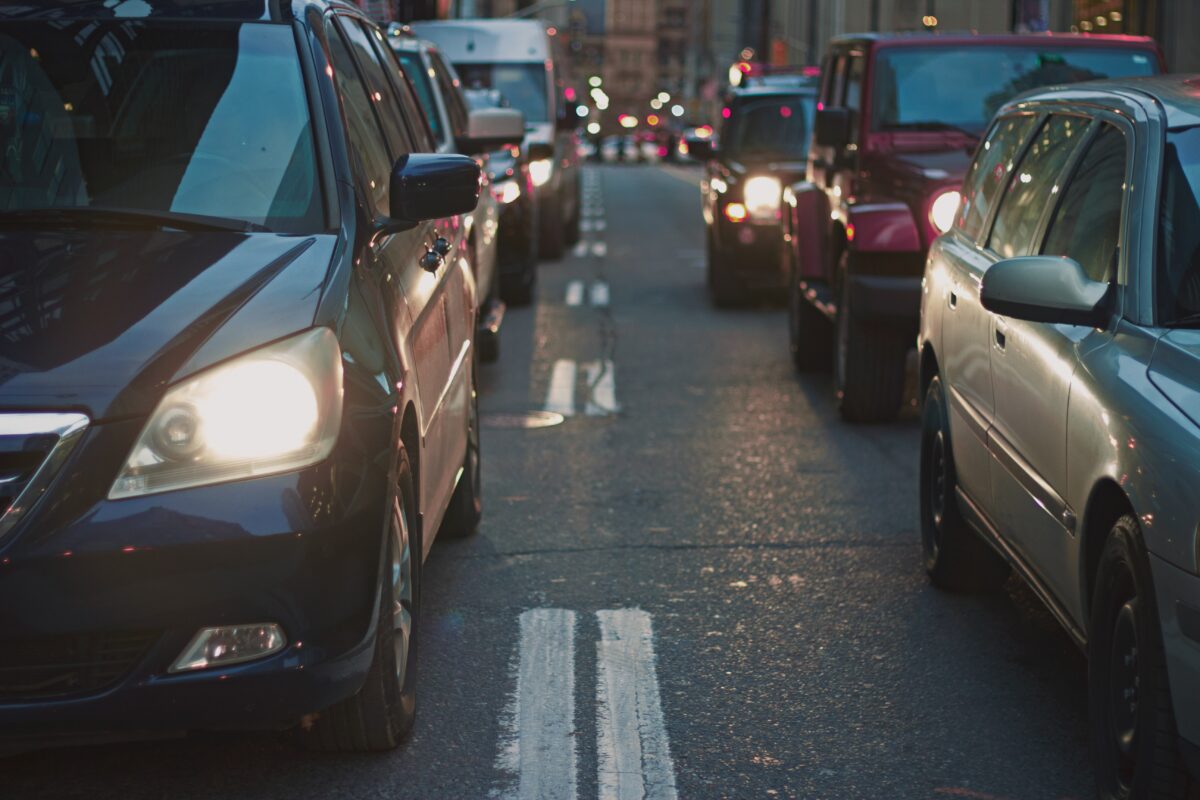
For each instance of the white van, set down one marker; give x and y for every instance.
(517, 57)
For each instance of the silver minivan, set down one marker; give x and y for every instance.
(1060, 369)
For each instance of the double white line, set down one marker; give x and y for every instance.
(597, 295)
(601, 379)
(539, 751)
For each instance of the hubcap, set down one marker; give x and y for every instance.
(402, 589)
(1123, 687)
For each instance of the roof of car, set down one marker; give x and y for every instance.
(969, 37)
(240, 10)
(1177, 95)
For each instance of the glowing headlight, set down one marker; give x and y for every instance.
(762, 195)
(944, 209)
(506, 192)
(272, 410)
(540, 171)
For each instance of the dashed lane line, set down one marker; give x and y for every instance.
(575, 293)
(599, 294)
(602, 383)
(560, 395)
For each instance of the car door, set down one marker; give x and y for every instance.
(966, 325)
(1033, 363)
(418, 303)
(832, 83)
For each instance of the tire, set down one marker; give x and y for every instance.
(810, 335)
(723, 286)
(1134, 742)
(380, 715)
(466, 504)
(552, 244)
(518, 289)
(955, 558)
(869, 364)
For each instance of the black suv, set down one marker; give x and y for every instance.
(761, 148)
(237, 399)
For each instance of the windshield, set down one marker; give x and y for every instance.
(523, 85)
(1178, 280)
(206, 120)
(419, 75)
(924, 88)
(769, 127)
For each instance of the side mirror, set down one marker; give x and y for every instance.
(492, 128)
(1050, 289)
(427, 186)
(832, 127)
(540, 151)
(701, 149)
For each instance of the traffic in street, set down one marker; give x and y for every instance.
(391, 408)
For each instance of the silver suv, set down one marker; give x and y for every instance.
(1060, 369)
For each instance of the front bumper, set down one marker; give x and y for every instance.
(753, 251)
(300, 549)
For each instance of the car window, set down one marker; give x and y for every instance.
(384, 99)
(452, 94)
(853, 92)
(1178, 279)
(410, 109)
(366, 138)
(1087, 224)
(988, 174)
(1032, 184)
(772, 126)
(418, 75)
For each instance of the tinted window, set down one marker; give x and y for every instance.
(451, 93)
(990, 170)
(211, 119)
(769, 127)
(523, 84)
(1033, 184)
(853, 99)
(418, 126)
(379, 87)
(1087, 224)
(366, 138)
(918, 88)
(1178, 277)
(419, 75)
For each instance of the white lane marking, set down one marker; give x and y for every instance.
(575, 293)
(633, 752)
(599, 249)
(599, 294)
(560, 396)
(587, 225)
(602, 381)
(580, 249)
(539, 747)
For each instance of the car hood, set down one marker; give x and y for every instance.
(937, 166)
(1174, 369)
(103, 321)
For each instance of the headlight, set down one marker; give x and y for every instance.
(540, 171)
(273, 410)
(943, 210)
(506, 191)
(762, 195)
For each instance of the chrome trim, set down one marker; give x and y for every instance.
(976, 423)
(68, 427)
(1023, 473)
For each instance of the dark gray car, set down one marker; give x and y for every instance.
(1060, 366)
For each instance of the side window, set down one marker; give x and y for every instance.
(853, 96)
(406, 87)
(1033, 183)
(366, 140)
(379, 87)
(452, 93)
(989, 171)
(1087, 224)
(838, 84)
(828, 65)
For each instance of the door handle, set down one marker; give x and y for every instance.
(441, 246)
(953, 299)
(430, 261)
(1001, 339)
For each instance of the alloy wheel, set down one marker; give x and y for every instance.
(1123, 691)
(401, 589)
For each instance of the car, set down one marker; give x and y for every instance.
(1060, 369)
(512, 186)
(900, 115)
(238, 399)
(761, 148)
(458, 129)
(526, 63)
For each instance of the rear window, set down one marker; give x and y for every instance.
(1178, 279)
(418, 73)
(769, 127)
(524, 85)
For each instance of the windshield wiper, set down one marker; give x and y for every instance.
(91, 216)
(930, 125)
(1186, 321)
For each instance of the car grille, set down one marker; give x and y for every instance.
(33, 447)
(36, 669)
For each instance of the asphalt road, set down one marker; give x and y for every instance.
(700, 585)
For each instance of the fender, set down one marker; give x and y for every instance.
(886, 227)
(807, 229)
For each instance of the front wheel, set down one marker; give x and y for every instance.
(869, 364)
(1135, 745)
(381, 714)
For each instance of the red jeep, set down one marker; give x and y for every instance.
(898, 118)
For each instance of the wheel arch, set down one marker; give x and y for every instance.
(410, 439)
(1106, 503)
(927, 368)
